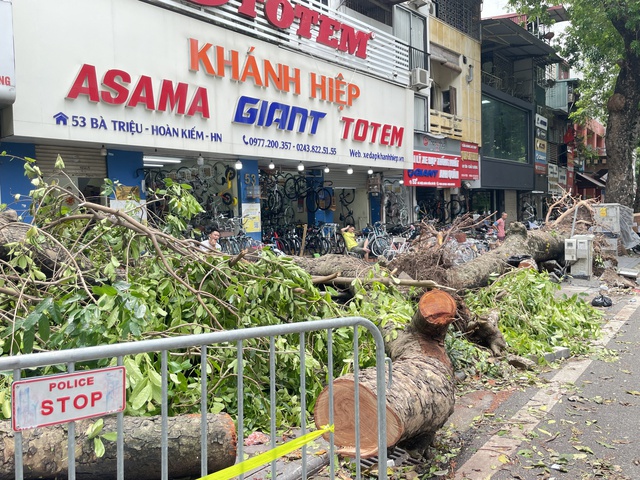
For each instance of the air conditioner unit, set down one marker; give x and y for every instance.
(420, 78)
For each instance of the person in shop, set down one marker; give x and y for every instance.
(499, 226)
(211, 243)
(353, 245)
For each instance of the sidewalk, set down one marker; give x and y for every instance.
(490, 448)
(582, 424)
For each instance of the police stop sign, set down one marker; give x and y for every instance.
(44, 401)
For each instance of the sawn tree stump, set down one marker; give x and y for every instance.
(45, 449)
(421, 397)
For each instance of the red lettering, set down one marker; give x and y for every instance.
(353, 42)
(281, 13)
(114, 80)
(90, 381)
(200, 103)
(95, 396)
(86, 75)
(248, 8)
(47, 407)
(307, 18)
(5, 80)
(170, 97)
(282, 7)
(364, 130)
(80, 401)
(328, 27)
(360, 133)
(143, 93)
(347, 127)
(63, 403)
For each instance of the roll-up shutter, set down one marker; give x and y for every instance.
(78, 162)
(341, 179)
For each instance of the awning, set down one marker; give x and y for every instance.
(589, 179)
(512, 41)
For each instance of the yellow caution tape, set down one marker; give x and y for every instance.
(266, 457)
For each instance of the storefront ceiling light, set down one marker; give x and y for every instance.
(162, 159)
(300, 167)
(349, 170)
(153, 165)
(238, 165)
(370, 171)
(272, 165)
(326, 169)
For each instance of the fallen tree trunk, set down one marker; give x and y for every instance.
(422, 394)
(45, 449)
(540, 245)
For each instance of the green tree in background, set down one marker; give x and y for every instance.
(602, 42)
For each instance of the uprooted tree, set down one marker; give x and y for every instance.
(84, 274)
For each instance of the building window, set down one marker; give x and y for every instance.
(420, 113)
(505, 131)
(412, 29)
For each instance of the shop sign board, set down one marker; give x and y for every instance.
(436, 162)
(470, 164)
(197, 87)
(7, 63)
(53, 399)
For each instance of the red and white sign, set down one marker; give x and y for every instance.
(54, 399)
(470, 165)
(433, 170)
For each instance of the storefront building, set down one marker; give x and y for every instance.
(116, 86)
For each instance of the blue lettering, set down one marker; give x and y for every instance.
(253, 111)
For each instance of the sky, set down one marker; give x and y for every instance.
(493, 8)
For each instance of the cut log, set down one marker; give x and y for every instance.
(45, 449)
(540, 245)
(421, 397)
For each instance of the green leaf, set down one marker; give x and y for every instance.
(95, 428)
(98, 447)
(104, 290)
(59, 165)
(43, 328)
(110, 436)
(140, 395)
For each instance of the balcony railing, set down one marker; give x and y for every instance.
(441, 123)
(418, 59)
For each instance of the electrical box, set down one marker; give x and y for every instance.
(583, 263)
(570, 253)
(607, 217)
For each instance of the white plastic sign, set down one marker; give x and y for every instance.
(54, 399)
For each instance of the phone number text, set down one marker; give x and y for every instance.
(282, 145)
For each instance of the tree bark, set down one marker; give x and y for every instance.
(541, 245)
(45, 449)
(623, 123)
(421, 397)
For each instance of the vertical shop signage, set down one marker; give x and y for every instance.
(7, 61)
(469, 167)
(540, 165)
(570, 167)
(435, 164)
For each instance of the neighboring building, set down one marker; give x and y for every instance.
(521, 136)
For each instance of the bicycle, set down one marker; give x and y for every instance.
(346, 197)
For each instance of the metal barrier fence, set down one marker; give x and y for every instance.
(118, 351)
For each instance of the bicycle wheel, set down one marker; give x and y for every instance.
(324, 198)
(347, 196)
(338, 246)
(312, 201)
(290, 188)
(275, 202)
(379, 245)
